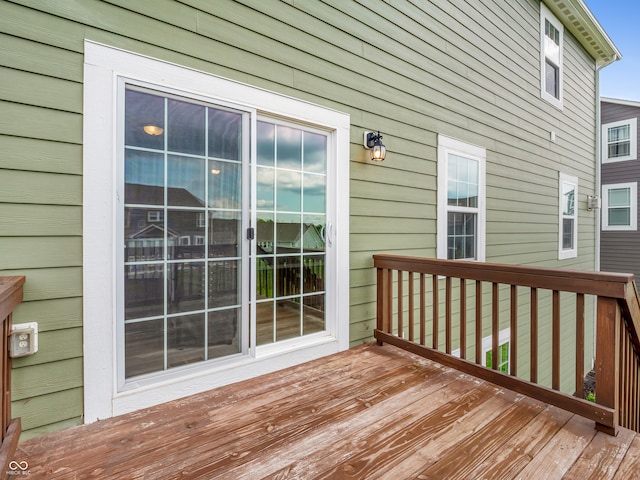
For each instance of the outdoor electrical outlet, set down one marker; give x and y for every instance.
(24, 339)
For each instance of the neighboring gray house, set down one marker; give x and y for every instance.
(620, 174)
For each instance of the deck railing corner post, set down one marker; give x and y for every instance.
(607, 360)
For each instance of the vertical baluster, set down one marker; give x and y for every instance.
(423, 313)
(580, 345)
(555, 341)
(447, 332)
(463, 318)
(495, 326)
(436, 314)
(411, 333)
(400, 308)
(513, 341)
(478, 322)
(533, 336)
(380, 300)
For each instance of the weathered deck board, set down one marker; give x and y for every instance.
(370, 412)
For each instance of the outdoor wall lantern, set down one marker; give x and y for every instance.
(373, 143)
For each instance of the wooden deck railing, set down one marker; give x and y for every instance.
(11, 292)
(409, 314)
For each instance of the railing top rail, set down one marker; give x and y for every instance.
(10, 295)
(614, 285)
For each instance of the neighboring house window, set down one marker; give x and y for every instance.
(551, 39)
(620, 206)
(153, 216)
(568, 227)
(461, 200)
(620, 141)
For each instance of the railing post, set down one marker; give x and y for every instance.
(382, 304)
(607, 363)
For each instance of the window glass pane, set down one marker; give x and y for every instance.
(568, 198)
(461, 237)
(185, 286)
(288, 234)
(288, 276)
(265, 233)
(265, 277)
(143, 290)
(313, 230)
(143, 347)
(462, 182)
(225, 234)
(186, 127)
(266, 144)
(224, 283)
(264, 323)
(315, 152)
(619, 197)
(185, 178)
(567, 234)
(288, 191)
(185, 340)
(289, 148)
(143, 110)
(313, 273)
(313, 314)
(223, 332)
(620, 133)
(265, 189)
(225, 184)
(184, 228)
(225, 134)
(143, 234)
(314, 196)
(620, 216)
(552, 80)
(144, 178)
(287, 319)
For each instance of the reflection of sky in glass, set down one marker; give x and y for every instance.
(315, 152)
(568, 193)
(314, 197)
(185, 127)
(288, 191)
(225, 134)
(266, 143)
(185, 173)
(289, 148)
(225, 186)
(462, 184)
(144, 168)
(265, 188)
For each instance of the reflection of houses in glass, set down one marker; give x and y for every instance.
(185, 228)
(291, 237)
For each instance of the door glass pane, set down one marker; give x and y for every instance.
(144, 347)
(291, 221)
(223, 331)
(185, 340)
(173, 221)
(186, 127)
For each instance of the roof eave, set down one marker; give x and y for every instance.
(579, 20)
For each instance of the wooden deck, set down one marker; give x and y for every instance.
(370, 412)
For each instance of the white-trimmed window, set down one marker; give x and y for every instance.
(568, 225)
(551, 47)
(461, 200)
(620, 206)
(620, 141)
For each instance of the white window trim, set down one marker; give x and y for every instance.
(633, 147)
(446, 146)
(104, 66)
(633, 187)
(569, 252)
(546, 14)
(504, 336)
